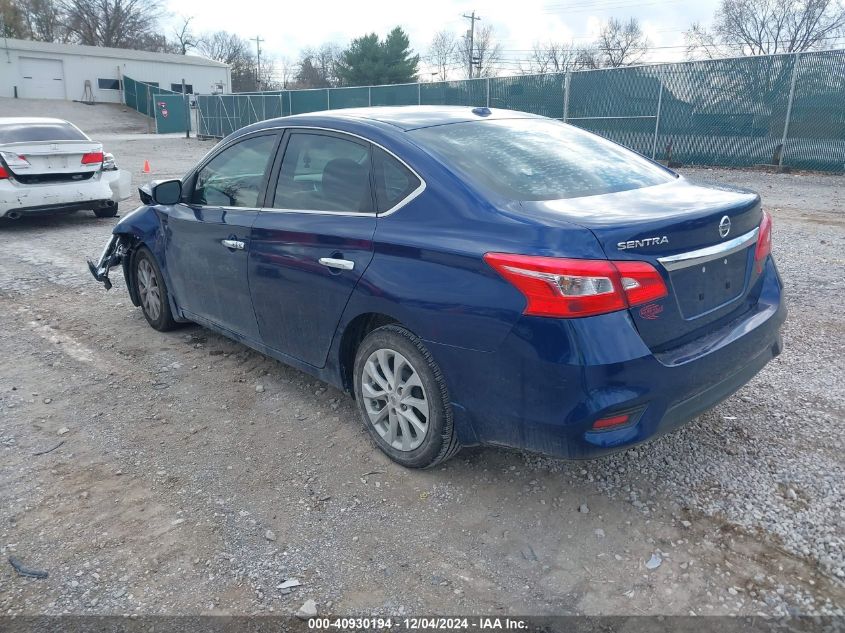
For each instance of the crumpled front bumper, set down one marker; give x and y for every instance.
(111, 256)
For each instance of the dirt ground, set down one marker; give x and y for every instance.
(179, 487)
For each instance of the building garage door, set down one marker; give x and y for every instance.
(42, 78)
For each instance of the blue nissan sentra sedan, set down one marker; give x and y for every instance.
(470, 276)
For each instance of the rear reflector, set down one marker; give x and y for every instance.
(557, 287)
(764, 241)
(616, 420)
(92, 158)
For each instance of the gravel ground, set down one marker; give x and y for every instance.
(195, 475)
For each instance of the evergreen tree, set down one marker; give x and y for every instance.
(370, 61)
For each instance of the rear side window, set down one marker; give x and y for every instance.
(324, 173)
(538, 159)
(235, 177)
(39, 131)
(394, 181)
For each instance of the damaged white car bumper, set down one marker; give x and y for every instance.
(100, 190)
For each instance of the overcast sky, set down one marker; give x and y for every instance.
(287, 27)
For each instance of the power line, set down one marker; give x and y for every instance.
(612, 5)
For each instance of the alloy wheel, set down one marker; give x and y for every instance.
(148, 289)
(395, 400)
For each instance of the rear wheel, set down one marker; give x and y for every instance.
(109, 211)
(403, 400)
(152, 291)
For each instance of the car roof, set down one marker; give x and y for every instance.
(24, 120)
(415, 117)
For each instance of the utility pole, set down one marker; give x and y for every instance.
(472, 19)
(258, 41)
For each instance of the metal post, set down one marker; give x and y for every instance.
(788, 108)
(567, 80)
(187, 107)
(290, 102)
(151, 109)
(488, 92)
(120, 85)
(328, 99)
(657, 118)
(369, 96)
(419, 94)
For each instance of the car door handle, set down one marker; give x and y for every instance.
(342, 264)
(236, 244)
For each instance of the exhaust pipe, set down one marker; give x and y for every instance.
(13, 215)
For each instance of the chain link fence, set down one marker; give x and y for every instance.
(786, 110)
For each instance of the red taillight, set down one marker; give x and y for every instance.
(764, 241)
(92, 158)
(641, 282)
(4, 173)
(557, 287)
(616, 420)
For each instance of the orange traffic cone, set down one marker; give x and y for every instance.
(147, 169)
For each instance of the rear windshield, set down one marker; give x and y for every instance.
(538, 159)
(28, 132)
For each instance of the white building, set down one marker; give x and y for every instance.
(46, 70)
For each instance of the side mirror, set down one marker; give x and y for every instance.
(166, 191)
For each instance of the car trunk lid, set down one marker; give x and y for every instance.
(34, 162)
(700, 239)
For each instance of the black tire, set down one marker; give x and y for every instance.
(107, 212)
(440, 441)
(144, 266)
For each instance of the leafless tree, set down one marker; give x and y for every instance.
(316, 66)
(235, 51)
(701, 43)
(486, 52)
(284, 72)
(326, 57)
(553, 57)
(12, 19)
(185, 38)
(441, 54)
(39, 20)
(588, 58)
(766, 27)
(116, 23)
(621, 43)
(225, 47)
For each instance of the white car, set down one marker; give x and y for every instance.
(51, 166)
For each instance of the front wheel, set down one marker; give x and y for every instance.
(403, 400)
(152, 291)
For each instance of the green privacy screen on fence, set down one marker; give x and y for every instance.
(168, 108)
(778, 109)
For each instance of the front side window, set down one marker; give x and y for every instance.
(324, 173)
(235, 177)
(394, 181)
(538, 159)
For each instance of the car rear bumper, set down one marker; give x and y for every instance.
(63, 197)
(553, 378)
